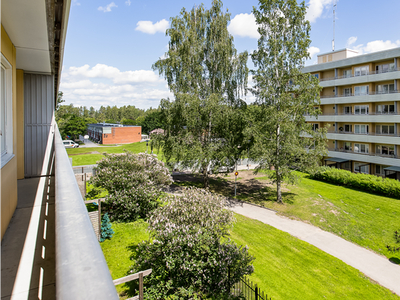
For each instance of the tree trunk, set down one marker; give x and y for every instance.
(278, 186)
(205, 178)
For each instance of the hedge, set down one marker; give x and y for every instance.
(365, 182)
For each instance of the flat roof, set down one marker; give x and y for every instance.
(337, 159)
(393, 168)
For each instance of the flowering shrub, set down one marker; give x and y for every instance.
(189, 250)
(134, 183)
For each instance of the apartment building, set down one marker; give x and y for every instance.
(360, 106)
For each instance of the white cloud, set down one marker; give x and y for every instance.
(107, 8)
(128, 2)
(313, 51)
(375, 46)
(316, 8)
(350, 41)
(118, 77)
(75, 3)
(107, 85)
(150, 28)
(244, 25)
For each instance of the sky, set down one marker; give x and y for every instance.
(111, 45)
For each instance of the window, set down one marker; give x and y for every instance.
(361, 90)
(314, 127)
(346, 165)
(347, 110)
(384, 129)
(361, 129)
(384, 68)
(385, 109)
(316, 75)
(361, 168)
(347, 146)
(347, 73)
(361, 110)
(6, 130)
(347, 92)
(385, 88)
(385, 149)
(361, 148)
(361, 71)
(348, 128)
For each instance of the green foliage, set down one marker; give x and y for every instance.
(207, 76)
(106, 230)
(151, 121)
(134, 183)
(189, 250)
(365, 182)
(73, 127)
(282, 138)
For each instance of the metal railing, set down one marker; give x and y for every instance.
(249, 291)
(341, 149)
(371, 93)
(81, 270)
(367, 73)
(368, 133)
(371, 113)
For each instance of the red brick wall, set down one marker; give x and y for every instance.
(122, 135)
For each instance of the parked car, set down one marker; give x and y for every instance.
(214, 166)
(70, 144)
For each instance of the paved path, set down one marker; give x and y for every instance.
(375, 266)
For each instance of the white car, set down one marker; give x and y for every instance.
(70, 144)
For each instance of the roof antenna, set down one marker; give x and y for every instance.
(334, 18)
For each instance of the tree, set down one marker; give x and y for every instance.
(206, 76)
(283, 140)
(151, 121)
(59, 99)
(74, 126)
(134, 183)
(189, 250)
(106, 230)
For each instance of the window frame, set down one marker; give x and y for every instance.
(359, 147)
(6, 96)
(360, 108)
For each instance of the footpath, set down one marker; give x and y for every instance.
(373, 265)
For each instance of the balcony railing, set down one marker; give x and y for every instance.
(81, 270)
(341, 149)
(371, 113)
(367, 73)
(353, 94)
(369, 133)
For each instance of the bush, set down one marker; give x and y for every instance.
(365, 182)
(106, 230)
(189, 250)
(134, 183)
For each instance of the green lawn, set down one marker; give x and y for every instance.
(285, 267)
(365, 219)
(90, 156)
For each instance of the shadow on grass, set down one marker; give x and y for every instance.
(250, 190)
(394, 260)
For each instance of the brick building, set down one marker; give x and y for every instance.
(107, 134)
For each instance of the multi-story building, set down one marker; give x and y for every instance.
(360, 106)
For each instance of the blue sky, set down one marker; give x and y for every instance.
(112, 44)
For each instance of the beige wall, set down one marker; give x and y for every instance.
(9, 171)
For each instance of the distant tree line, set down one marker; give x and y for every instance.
(72, 120)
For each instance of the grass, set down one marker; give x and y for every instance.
(120, 249)
(90, 156)
(285, 267)
(365, 219)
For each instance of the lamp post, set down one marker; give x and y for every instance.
(147, 146)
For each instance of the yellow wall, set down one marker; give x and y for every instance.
(9, 171)
(20, 124)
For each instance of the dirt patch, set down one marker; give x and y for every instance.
(93, 152)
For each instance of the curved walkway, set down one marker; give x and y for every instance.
(373, 265)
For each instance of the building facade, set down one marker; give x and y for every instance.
(114, 133)
(360, 107)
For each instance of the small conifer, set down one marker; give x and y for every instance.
(106, 230)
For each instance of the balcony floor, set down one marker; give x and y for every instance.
(28, 246)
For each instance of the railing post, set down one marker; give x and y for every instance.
(141, 286)
(256, 292)
(99, 219)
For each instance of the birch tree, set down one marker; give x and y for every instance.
(283, 140)
(206, 75)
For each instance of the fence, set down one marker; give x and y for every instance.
(246, 289)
